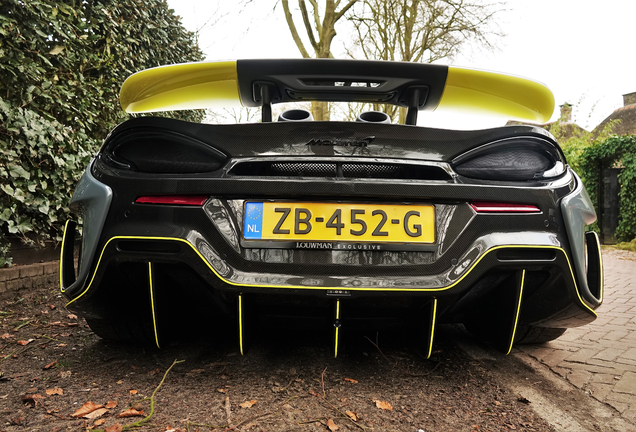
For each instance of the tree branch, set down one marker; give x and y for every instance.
(345, 9)
(292, 29)
(310, 31)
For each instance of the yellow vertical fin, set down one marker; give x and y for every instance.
(518, 310)
(152, 304)
(432, 329)
(240, 322)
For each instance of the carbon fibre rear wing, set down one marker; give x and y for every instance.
(416, 86)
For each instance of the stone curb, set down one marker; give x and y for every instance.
(18, 278)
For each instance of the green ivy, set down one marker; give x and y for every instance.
(616, 150)
(62, 63)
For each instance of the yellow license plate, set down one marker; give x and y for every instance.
(377, 223)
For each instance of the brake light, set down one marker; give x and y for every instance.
(183, 200)
(495, 207)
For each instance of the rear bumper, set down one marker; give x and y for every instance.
(193, 257)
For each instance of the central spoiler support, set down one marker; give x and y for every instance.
(266, 107)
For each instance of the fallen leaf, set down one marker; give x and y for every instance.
(313, 393)
(65, 374)
(33, 398)
(88, 407)
(52, 306)
(353, 416)
(55, 391)
(222, 390)
(72, 324)
(50, 365)
(383, 405)
(62, 345)
(95, 414)
(25, 342)
(332, 426)
(6, 336)
(65, 334)
(497, 403)
(119, 382)
(351, 380)
(99, 422)
(111, 404)
(131, 412)
(114, 428)
(134, 392)
(247, 404)
(71, 316)
(193, 371)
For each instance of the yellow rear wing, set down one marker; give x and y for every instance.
(264, 82)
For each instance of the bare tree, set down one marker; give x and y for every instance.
(419, 31)
(232, 115)
(319, 24)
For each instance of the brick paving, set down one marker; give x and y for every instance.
(600, 358)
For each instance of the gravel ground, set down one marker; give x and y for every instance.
(52, 365)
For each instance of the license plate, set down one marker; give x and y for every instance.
(338, 222)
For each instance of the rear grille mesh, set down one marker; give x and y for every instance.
(302, 169)
(339, 170)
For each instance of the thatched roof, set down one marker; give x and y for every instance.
(626, 124)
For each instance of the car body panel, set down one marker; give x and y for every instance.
(163, 209)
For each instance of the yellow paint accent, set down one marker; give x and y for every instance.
(62, 255)
(240, 318)
(335, 355)
(330, 288)
(152, 304)
(512, 97)
(600, 258)
(181, 86)
(320, 232)
(514, 329)
(430, 346)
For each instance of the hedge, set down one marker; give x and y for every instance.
(616, 150)
(61, 66)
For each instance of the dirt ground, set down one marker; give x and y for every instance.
(52, 364)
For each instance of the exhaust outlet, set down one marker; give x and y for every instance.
(294, 115)
(373, 117)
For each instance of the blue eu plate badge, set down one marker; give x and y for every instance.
(253, 224)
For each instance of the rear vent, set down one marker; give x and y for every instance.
(162, 247)
(162, 152)
(340, 170)
(523, 254)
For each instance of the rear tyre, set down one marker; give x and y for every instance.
(529, 334)
(124, 330)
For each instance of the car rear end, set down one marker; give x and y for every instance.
(347, 222)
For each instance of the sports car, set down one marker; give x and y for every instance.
(343, 221)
